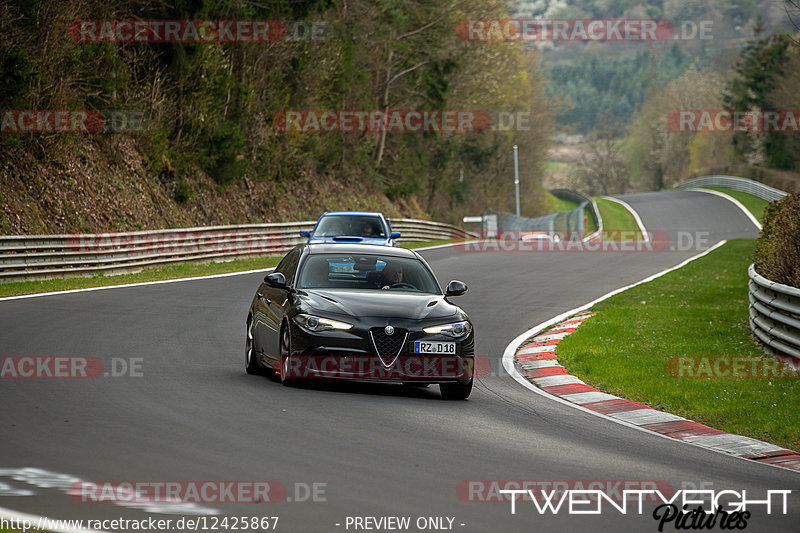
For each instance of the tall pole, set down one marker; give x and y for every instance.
(516, 176)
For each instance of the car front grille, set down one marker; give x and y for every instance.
(388, 347)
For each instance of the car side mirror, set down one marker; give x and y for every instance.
(395, 235)
(455, 288)
(276, 279)
(305, 233)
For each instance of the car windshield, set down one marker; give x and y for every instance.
(350, 226)
(367, 272)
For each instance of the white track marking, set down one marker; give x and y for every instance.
(538, 349)
(435, 246)
(141, 284)
(642, 417)
(734, 443)
(561, 379)
(633, 212)
(539, 363)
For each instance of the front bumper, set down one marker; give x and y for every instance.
(354, 355)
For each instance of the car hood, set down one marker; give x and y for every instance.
(377, 303)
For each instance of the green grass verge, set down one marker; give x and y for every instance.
(551, 203)
(698, 310)
(754, 204)
(189, 270)
(617, 221)
(564, 205)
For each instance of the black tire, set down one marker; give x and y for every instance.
(285, 350)
(456, 391)
(251, 364)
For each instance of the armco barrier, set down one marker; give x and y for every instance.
(26, 257)
(583, 201)
(775, 314)
(737, 184)
(562, 222)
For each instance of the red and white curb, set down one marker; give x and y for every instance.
(536, 361)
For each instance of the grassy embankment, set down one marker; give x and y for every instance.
(627, 347)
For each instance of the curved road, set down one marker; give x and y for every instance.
(375, 450)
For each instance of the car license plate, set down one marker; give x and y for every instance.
(435, 347)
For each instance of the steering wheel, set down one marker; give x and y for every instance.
(402, 285)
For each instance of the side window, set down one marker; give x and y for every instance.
(288, 266)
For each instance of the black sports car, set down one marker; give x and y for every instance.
(360, 312)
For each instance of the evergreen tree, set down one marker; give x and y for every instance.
(758, 69)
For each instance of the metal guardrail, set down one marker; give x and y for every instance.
(27, 257)
(583, 201)
(425, 230)
(562, 222)
(774, 314)
(737, 184)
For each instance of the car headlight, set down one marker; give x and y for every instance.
(318, 323)
(456, 329)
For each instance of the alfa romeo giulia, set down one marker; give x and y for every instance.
(360, 312)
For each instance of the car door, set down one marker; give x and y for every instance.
(273, 303)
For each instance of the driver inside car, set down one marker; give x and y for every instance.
(370, 230)
(318, 274)
(392, 274)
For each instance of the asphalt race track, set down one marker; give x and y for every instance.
(373, 450)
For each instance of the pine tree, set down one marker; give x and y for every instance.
(757, 72)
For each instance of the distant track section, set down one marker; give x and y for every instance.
(737, 184)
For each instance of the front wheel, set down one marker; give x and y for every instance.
(285, 350)
(251, 364)
(456, 391)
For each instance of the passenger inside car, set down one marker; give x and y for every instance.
(335, 228)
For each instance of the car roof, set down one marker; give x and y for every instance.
(361, 249)
(354, 213)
